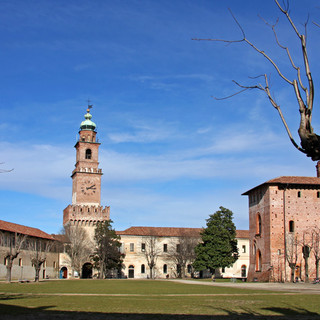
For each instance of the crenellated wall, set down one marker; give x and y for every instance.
(85, 215)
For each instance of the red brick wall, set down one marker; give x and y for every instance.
(304, 211)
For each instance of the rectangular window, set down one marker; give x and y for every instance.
(299, 194)
(318, 194)
(20, 262)
(243, 249)
(178, 247)
(143, 247)
(165, 248)
(131, 247)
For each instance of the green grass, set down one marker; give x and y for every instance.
(117, 287)
(148, 300)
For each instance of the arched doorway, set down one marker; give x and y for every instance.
(86, 271)
(63, 273)
(131, 272)
(243, 271)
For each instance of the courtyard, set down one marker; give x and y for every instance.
(157, 299)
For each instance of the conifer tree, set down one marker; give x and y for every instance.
(107, 256)
(218, 246)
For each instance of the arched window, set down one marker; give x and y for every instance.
(243, 271)
(291, 226)
(189, 268)
(88, 154)
(165, 268)
(143, 268)
(131, 272)
(258, 224)
(258, 260)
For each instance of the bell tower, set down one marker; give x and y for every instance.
(86, 209)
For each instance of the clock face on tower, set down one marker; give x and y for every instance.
(88, 187)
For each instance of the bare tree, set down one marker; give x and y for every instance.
(316, 248)
(292, 254)
(304, 93)
(79, 247)
(39, 249)
(181, 252)
(151, 252)
(15, 242)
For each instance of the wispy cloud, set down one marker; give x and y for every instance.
(140, 131)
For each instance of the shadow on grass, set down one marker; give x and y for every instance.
(9, 312)
(4, 297)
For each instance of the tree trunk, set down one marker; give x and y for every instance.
(151, 272)
(292, 274)
(36, 279)
(183, 271)
(317, 268)
(306, 253)
(306, 270)
(9, 269)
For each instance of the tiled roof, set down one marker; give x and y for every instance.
(314, 181)
(243, 234)
(32, 232)
(295, 180)
(170, 232)
(61, 238)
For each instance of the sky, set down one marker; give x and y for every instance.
(171, 154)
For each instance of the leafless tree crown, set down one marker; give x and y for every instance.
(302, 83)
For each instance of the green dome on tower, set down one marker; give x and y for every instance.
(88, 124)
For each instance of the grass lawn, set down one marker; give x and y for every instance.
(148, 299)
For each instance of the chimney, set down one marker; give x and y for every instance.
(318, 169)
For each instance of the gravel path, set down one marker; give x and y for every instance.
(306, 288)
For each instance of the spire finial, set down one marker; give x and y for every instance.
(88, 124)
(89, 106)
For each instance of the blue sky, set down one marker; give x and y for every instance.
(170, 153)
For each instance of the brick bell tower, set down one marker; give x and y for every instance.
(86, 209)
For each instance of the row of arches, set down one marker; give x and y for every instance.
(84, 223)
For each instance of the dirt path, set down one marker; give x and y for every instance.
(286, 287)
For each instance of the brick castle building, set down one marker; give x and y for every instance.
(283, 223)
(86, 211)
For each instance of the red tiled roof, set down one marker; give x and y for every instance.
(161, 231)
(33, 232)
(290, 180)
(243, 234)
(61, 238)
(170, 232)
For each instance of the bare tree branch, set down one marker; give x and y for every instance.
(309, 141)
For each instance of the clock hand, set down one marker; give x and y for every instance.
(91, 187)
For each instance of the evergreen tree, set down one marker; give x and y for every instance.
(218, 248)
(107, 256)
